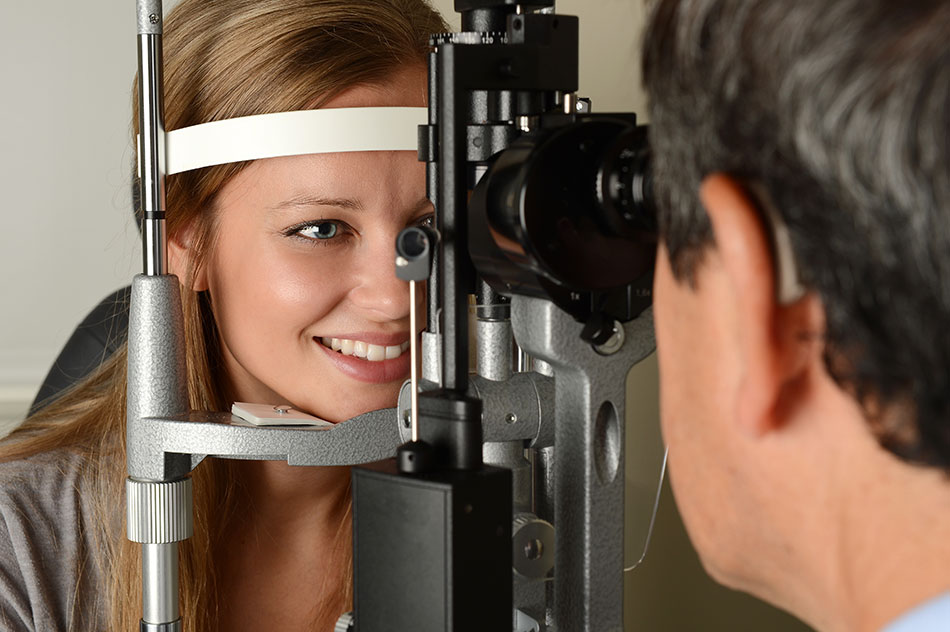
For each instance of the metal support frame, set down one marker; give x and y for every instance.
(589, 460)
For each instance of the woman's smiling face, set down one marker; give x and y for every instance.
(304, 254)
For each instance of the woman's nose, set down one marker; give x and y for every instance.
(378, 291)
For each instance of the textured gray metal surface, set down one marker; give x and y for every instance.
(520, 408)
(363, 439)
(431, 357)
(156, 371)
(493, 349)
(510, 454)
(588, 468)
(148, 13)
(517, 408)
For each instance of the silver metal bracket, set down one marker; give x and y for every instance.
(589, 406)
(363, 439)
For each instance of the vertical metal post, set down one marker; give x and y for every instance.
(151, 142)
(433, 292)
(588, 468)
(454, 229)
(149, 520)
(160, 585)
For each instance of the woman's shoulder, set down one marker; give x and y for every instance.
(45, 485)
(44, 468)
(47, 543)
(46, 500)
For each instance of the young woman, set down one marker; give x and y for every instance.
(289, 296)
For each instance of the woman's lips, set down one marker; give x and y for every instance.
(363, 370)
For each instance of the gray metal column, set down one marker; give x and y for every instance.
(589, 463)
(159, 511)
(160, 590)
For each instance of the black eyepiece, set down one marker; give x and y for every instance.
(414, 249)
(625, 184)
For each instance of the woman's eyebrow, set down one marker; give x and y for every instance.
(350, 204)
(421, 205)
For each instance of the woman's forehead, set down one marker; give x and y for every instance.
(354, 181)
(406, 87)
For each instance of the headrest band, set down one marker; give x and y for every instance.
(293, 133)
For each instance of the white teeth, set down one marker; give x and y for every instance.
(361, 349)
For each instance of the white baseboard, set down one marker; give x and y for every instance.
(21, 372)
(14, 403)
(24, 368)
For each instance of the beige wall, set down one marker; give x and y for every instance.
(67, 236)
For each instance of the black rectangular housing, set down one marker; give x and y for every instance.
(431, 552)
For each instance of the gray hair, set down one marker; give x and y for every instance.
(840, 109)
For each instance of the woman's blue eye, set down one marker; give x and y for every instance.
(322, 230)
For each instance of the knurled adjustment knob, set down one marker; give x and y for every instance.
(344, 623)
(532, 541)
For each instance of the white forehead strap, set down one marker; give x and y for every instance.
(292, 134)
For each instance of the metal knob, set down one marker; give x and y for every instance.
(159, 512)
(344, 623)
(532, 541)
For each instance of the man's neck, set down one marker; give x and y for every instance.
(886, 549)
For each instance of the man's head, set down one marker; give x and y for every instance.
(830, 118)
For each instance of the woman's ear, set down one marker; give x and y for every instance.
(181, 258)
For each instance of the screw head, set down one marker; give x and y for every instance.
(154, 18)
(534, 549)
(511, 418)
(614, 343)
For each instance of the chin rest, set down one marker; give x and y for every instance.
(96, 338)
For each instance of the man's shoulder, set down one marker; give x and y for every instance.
(930, 616)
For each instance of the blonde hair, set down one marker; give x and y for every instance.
(223, 59)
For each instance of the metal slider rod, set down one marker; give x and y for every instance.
(451, 208)
(414, 251)
(159, 555)
(151, 145)
(413, 361)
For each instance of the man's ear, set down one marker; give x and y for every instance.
(181, 253)
(774, 351)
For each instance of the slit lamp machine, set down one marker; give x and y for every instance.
(485, 502)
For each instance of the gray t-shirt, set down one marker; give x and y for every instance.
(50, 573)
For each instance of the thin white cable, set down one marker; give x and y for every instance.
(656, 505)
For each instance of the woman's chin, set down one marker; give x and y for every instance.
(360, 405)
